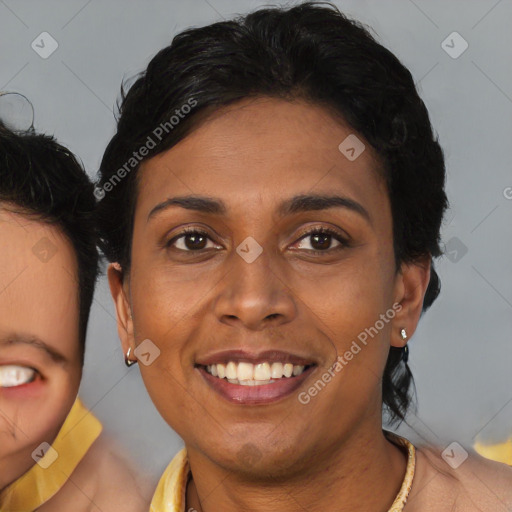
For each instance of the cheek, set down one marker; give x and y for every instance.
(33, 413)
(170, 395)
(352, 307)
(346, 299)
(164, 307)
(155, 295)
(167, 305)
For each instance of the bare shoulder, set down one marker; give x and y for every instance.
(117, 484)
(472, 484)
(104, 481)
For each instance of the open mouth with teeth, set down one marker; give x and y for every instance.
(244, 382)
(248, 374)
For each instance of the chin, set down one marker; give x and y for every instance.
(258, 459)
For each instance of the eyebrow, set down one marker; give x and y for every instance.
(33, 341)
(296, 204)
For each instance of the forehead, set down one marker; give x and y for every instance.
(264, 148)
(38, 279)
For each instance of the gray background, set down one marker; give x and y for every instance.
(461, 355)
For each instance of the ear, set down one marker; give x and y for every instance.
(410, 287)
(120, 294)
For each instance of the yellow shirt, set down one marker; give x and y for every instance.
(38, 485)
(500, 452)
(170, 492)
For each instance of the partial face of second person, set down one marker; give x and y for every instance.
(40, 357)
(307, 296)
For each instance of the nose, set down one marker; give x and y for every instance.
(254, 295)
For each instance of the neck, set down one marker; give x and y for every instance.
(339, 479)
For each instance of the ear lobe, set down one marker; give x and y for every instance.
(122, 304)
(410, 287)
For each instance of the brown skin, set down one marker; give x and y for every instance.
(477, 485)
(253, 155)
(40, 299)
(103, 482)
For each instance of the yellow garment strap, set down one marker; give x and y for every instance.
(170, 492)
(38, 485)
(500, 452)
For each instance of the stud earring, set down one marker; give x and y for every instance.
(403, 334)
(127, 361)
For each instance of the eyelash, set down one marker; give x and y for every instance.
(326, 231)
(315, 231)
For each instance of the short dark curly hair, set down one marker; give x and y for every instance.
(311, 52)
(42, 180)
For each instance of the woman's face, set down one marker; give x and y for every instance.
(40, 364)
(257, 289)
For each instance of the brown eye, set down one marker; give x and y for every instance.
(190, 240)
(321, 240)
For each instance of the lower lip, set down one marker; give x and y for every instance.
(28, 390)
(262, 394)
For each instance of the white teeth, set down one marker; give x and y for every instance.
(276, 371)
(288, 370)
(245, 371)
(250, 382)
(14, 375)
(262, 371)
(297, 370)
(231, 370)
(253, 375)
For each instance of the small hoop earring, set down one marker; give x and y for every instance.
(127, 361)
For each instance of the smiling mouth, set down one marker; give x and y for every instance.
(248, 374)
(249, 380)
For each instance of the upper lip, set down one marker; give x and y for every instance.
(240, 355)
